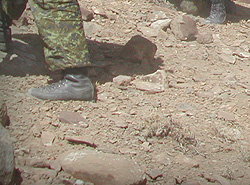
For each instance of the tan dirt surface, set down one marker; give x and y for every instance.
(197, 131)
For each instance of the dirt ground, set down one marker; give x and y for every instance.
(196, 131)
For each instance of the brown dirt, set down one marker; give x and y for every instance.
(205, 118)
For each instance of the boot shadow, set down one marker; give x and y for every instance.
(26, 57)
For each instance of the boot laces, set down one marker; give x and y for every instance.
(53, 86)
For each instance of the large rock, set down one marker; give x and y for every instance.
(4, 119)
(7, 163)
(102, 168)
(138, 49)
(184, 28)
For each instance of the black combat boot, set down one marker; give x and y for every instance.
(5, 31)
(71, 87)
(218, 12)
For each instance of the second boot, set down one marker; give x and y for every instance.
(218, 12)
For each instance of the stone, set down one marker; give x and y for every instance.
(152, 83)
(156, 15)
(99, 11)
(154, 174)
(184, 28)
(86, 14)
(137, 49)
(88, 140)
(147, 31)
(127, 150)
(71, 117)
(37, 162)
(242, 54)
(47, 138)
(55, 165)
(122, 80)
(91, 28)
(161, 24)
(4, 118)
(199, 78)
(204, 38)
(7, 161)
(228, 58)
(151, 88)
(102, 168)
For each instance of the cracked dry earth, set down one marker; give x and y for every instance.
(196, 131)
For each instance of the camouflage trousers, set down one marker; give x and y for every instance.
(60, 26)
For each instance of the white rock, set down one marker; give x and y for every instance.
(102, 168)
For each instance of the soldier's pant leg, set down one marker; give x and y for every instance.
(60, 25)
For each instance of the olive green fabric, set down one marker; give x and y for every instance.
(60, 25)
(193, 6)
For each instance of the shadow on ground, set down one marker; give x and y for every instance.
(26, 58)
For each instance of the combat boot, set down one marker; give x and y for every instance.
(71, 87)
(218, 12)
(5, 31)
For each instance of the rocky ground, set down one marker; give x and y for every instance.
(182, 116)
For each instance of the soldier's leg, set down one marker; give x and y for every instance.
(9, 10)
(65, 47)
(217, 13)
(193, 6)
(5, 31)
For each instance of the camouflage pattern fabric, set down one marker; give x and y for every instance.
(60, 25)
(193, 6)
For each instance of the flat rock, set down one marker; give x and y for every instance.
(88, 140)
(91, 28)
(71, 117)
(228, 58)
(102, 168)
(122, 80)
(47, 138)
(161, 24)
(148, 31)
(148, 86)
(204, 38)
(137, 49)
(156, 15)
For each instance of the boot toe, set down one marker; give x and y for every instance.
(79, 89)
